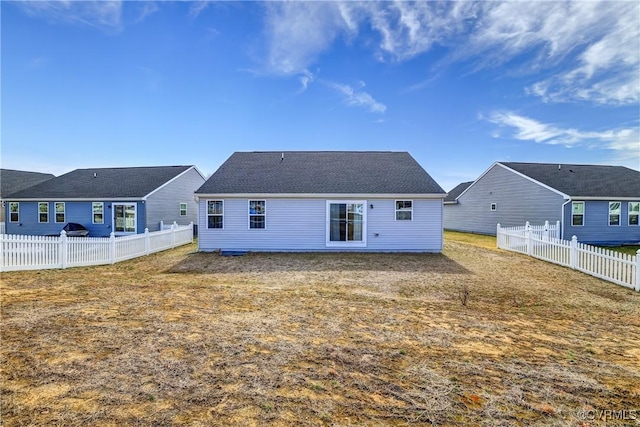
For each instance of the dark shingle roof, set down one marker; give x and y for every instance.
(103, 183)
(457, 190)
(321, 172)
(13, 180)
(583, 180)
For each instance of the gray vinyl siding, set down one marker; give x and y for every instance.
(518, 200)
(164, 204)
(301, 224)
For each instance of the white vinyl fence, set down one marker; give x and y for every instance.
(622, 269)
(41, 252)
(3, 228)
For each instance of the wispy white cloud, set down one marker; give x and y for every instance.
(146, 8)
(625, 142)
(589, 50)
(297, 32)
(106, 15)
(305, 80)
(197, 7)
(357, 98)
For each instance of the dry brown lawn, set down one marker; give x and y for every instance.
(184, 338)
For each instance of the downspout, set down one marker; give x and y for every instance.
(562, 218)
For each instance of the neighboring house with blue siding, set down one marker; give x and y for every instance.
(120, 200)
(320, 201)
(15, 180)
(598, 204)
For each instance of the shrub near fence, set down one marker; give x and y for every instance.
(43, 252)
(622, 269)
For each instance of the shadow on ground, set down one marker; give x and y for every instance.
(207, 263)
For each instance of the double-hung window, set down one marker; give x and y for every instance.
(97, 209)
(183, 209)
(577, 213)
(634, 213)
(404, 210)
(43, 211)
(257, 214)
(614, 213)
(14, 212)
(60, 214)
(215, 214)
(346, 223)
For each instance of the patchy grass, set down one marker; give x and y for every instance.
(183, 338)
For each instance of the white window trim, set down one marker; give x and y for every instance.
(64, 212)
(349, 244)
(47, 221)
(113, 219)
(395, 204)
(220, 215)
(493, 207)
(629, 215)
(249, 214)
(584, 216)
(185, 208)
(93, 214)
(17, 211)
(619, 215)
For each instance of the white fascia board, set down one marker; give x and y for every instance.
(67, 199)
(566, 196)
(605, 198)
(320, 196)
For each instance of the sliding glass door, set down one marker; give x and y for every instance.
(346, 223)
(124, 218)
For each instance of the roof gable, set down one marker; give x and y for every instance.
(14, 180)
(456, 191)
(597, 181)
(320, 172)
(103, 183)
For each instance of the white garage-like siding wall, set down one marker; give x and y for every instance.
(300, 225)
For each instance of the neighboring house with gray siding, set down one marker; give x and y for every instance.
(123, 200)
(14, 180)
(320, 201)
(598, 204)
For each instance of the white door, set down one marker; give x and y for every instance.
(124, 218)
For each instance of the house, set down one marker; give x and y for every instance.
(14, 180)
(123, 200)
(320, 201)
(598, 204)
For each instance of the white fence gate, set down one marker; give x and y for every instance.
(19, 252)
(622, 269)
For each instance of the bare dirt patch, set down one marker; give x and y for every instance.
(182, 338)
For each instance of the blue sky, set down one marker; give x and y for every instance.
(459, 85)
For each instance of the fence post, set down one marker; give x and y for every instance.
(637, 286)
(527, 236)
(573, 254)
(161, 225)
(557, 235)
(147, 241)
(546, 230)
(191, 226)
(173, 234)
(498, 235)
(112, 248)
(63, 249)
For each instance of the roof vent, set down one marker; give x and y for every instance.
(559, 167)
(95, 175)
(282, 158)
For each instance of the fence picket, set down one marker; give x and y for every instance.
(18, 252)
(606, 264)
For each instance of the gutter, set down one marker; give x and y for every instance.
(562, 217)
